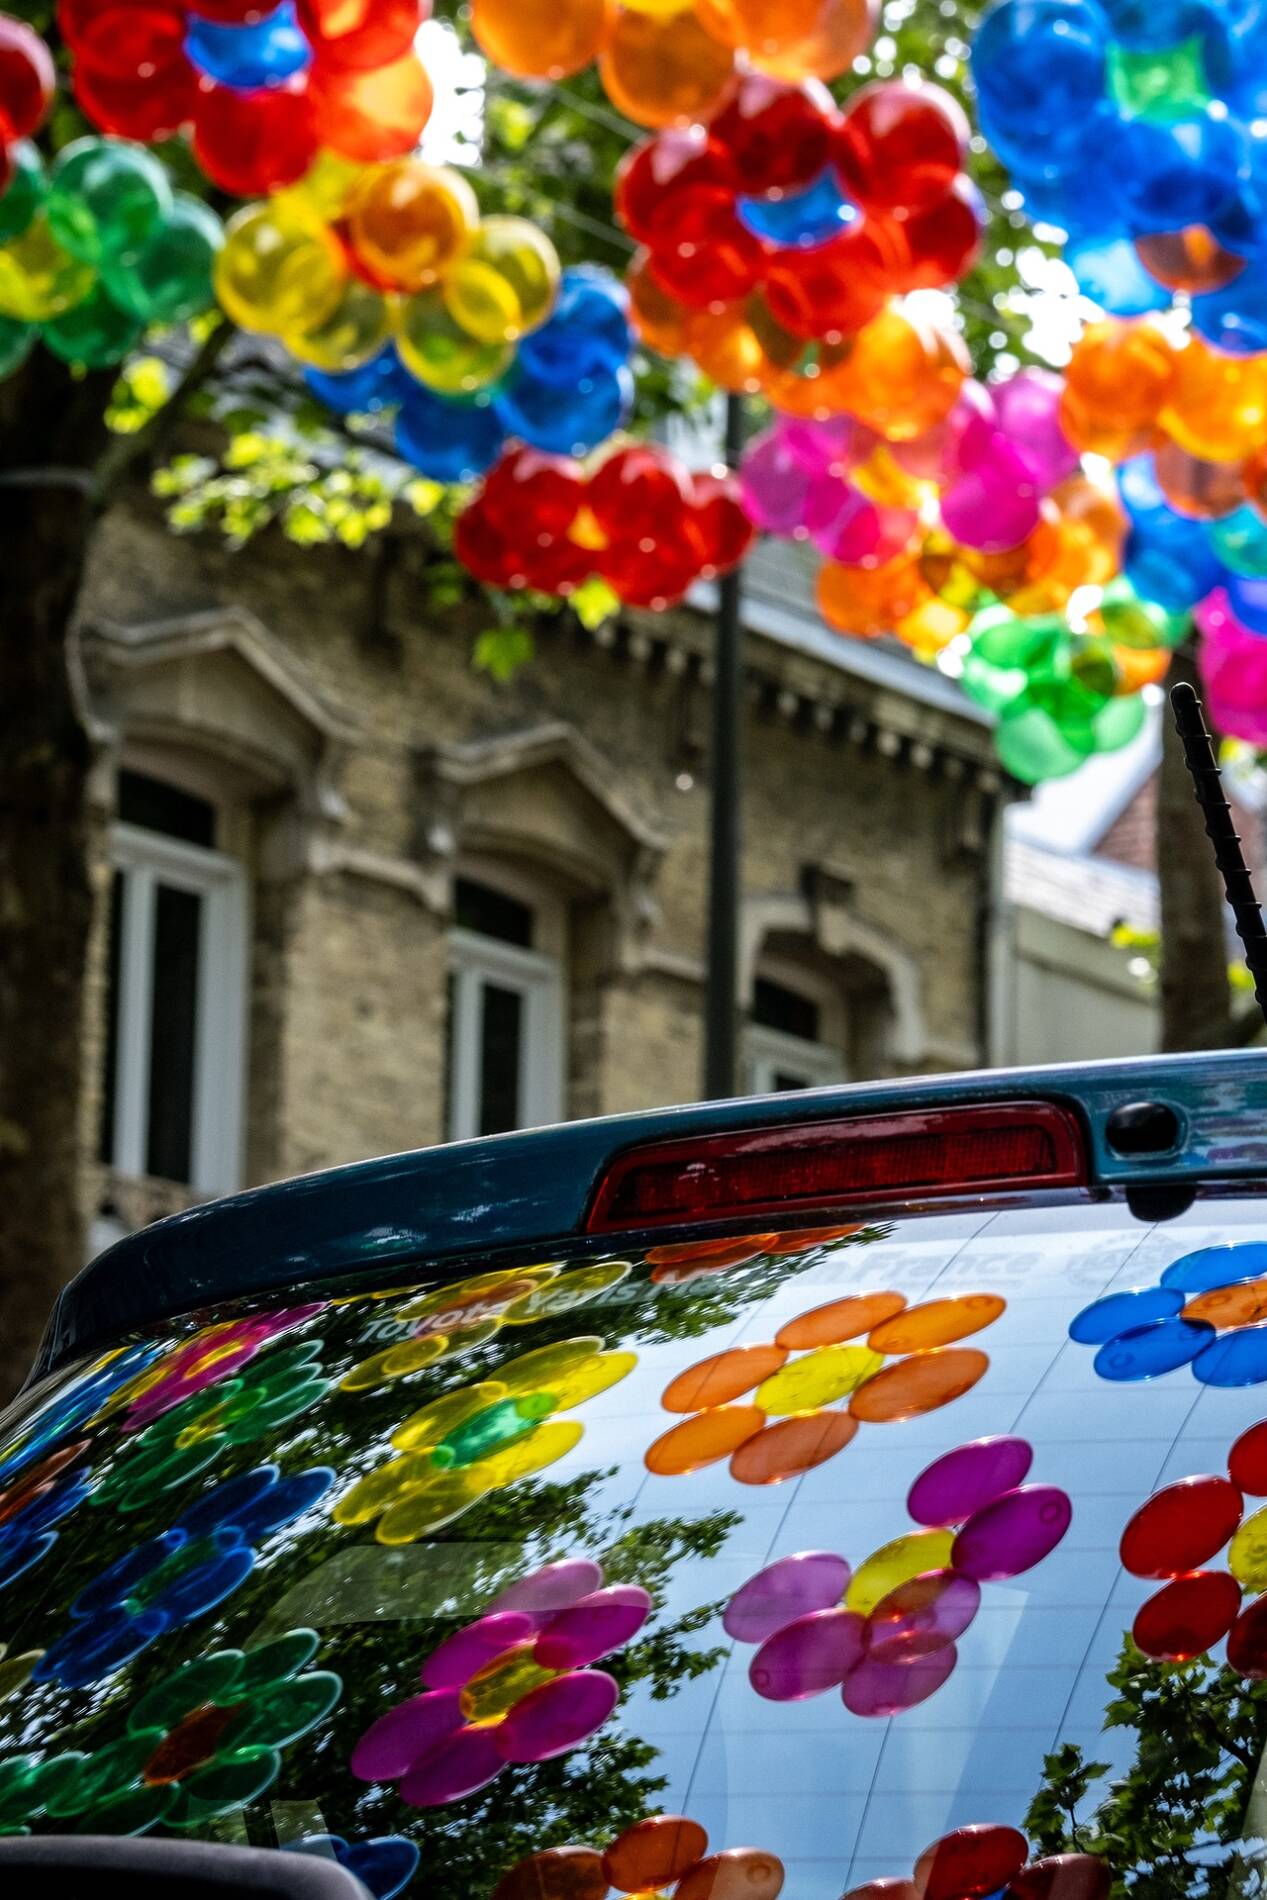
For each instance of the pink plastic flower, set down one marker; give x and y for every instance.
(514, 1686)
(213, 1353)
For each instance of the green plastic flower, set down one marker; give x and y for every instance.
(203, 1740)
(254, 1403)
(480, 1438)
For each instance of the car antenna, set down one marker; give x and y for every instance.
(1220, 829)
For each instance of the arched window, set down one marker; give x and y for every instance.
(795, 1036)
(504, 1058)
(175, 992)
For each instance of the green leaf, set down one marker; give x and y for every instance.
(511, 122)
(248, 448)
(501, 651)
(594, 602)
(423, 496)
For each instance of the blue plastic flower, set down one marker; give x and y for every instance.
(1206, 1312)
(384, 1865)
(177, 1576)
(25, 1533)
(74, 1405)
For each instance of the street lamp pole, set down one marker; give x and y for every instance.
(721, 1025)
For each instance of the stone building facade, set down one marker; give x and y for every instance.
(357, 897)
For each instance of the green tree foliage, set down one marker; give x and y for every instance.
(1188, 1819)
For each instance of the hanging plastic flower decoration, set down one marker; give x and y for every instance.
(910, 1364)
(201, 1742)
(99, 245)
(455, 1318)
(95, 248)
(1062, 692)
(783, 223)
(885, 1635)
(177, 1576)
(663, 63)
(261, 92)
(665, 1853)
(480, 1438)
(385, 282)
(1132, 130)
(639, 520)
(567, 386)
(515, 1686)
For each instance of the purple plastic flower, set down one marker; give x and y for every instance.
(514, 1686)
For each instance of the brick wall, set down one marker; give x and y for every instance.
(348, 948)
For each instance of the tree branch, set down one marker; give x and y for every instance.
(123, 453)
(1239, 1752)
(1247, 1025)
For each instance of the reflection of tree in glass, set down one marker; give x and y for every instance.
(1187, 1820)
(377, 1610)
(605, 1785)
(698, 1305)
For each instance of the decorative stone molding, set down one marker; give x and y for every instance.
(823, 919)
(544, 796)
(218, 684)
(832, 699)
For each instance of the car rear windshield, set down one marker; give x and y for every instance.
(927, 1553)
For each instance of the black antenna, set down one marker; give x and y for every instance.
(1207, 780)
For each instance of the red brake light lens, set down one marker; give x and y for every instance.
(918, 1155)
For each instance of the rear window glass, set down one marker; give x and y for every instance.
(931, 1554)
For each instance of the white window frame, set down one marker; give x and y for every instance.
(473, 962)
(771, 1050)
(147, 859)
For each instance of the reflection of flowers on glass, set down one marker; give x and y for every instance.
(253, 1403)
(453, 1318)
(1176, 1534)
(74, 1405)
(211, 1355)
(987, 1858)
(908, 1364)
(201, 1741)
(514, 1686)
(1205, 1312)
(385, 1864)
(458, 1448)
(38, 1497)
(171, 1579)
(885, 1634)
(15, 1670)
(665, 1851)
(688, 1260)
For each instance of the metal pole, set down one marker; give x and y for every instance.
(721, 1025)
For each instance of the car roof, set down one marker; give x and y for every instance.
(533, 1188)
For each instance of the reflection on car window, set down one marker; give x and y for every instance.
(931, 1554)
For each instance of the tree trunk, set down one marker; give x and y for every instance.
(1196, 998)
(52, 431)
